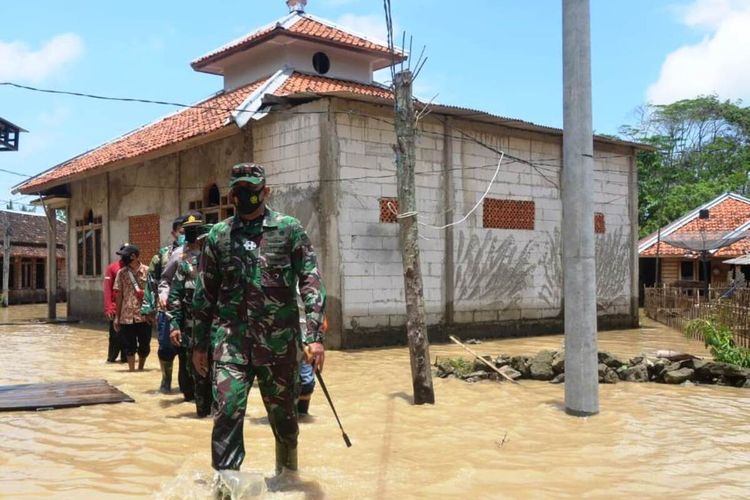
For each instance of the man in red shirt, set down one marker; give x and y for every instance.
(110, 309)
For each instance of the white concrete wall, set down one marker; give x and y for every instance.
(499, 274)
(146, 188)
(261, 62)
(373, 273)
(611, 197)
(288, 145)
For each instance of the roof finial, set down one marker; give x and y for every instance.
(296, 5)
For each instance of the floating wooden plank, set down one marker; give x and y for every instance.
(60, 395)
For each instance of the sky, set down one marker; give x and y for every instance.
(500, 56)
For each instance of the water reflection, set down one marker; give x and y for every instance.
(483, 440)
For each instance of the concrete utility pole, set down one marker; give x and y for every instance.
(579, 253)
(416, 328)
(6, 261)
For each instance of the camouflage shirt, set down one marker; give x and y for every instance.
(180, 302)
(246, 292)
(155, 268)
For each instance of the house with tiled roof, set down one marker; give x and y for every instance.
(719, 227)
(299, 96)
(27, 268)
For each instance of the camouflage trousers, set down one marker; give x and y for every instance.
(200, 387)
(279, 387)
(203, 391)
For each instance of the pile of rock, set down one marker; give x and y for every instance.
(550, 366)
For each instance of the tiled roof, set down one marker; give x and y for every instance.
(210, 115)
(34, 252)
(29, 228)
(299, 83)
(320, 29)
(302, 26)
(731, 212)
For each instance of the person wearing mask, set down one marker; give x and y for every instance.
(152, 306)
(245, 310)
(180, 309)
(110, 310)
(165, 284)
(130, 283)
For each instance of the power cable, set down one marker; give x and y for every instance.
(15, 173)
(538, 165)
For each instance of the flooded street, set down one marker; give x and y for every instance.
(483, 440)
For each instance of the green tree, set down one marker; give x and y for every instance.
(702, 150)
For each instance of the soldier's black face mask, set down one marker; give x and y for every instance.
(247, 200)
(191, 234)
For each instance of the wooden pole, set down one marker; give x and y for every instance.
(480, 358)
(6, 262)
(416, 328)
(51, 263)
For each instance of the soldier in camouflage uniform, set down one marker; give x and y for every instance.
(152, 308)
(180, 309)
(246, 302)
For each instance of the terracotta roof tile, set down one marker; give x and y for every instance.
(302, 83)
(25, 251)
(317, 29)
(725, 217)
(29, 229)
(185, 124)
(189, 123)
(303, 26)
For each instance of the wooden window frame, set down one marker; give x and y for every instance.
(40, 265)
(89, 257)
(213, 213)
(27, 274)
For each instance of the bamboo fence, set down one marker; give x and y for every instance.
(676, 307)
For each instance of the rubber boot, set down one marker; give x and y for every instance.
(166, 376)
(286, 457)
(303, 404)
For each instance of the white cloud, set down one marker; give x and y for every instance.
(19, 62)
(710, 13)
(718, 64)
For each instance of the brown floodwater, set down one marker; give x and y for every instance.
(482, 440)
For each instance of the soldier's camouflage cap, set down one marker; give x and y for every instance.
(248, 172)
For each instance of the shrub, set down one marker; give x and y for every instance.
(720, 341)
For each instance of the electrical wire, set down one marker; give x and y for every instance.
(14, 173)
(538, 165)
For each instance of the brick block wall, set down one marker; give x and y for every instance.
(143, 231)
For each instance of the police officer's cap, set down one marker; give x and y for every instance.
(178, 222)
(193, 219)
(248, 172)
